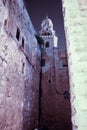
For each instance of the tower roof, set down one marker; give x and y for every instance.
(47, 27)
(47, 21)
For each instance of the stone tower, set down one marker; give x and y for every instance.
(50, 43)
(52, 102)
(49, 46)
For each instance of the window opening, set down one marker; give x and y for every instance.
(23, 43)
(65, 65)
(47, 44)
(18, 34)
(23, 67)
(43, 62)
(5, 22)
(49, 81)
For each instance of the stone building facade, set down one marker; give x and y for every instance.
(22, 78)
(75, 21)
(19, 68)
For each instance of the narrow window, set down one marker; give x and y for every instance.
(23, 67)
(5, 22)
(18, 34)
(23, 43)
(65, 65)
(43, 62)
(49, 81)
(47, 44)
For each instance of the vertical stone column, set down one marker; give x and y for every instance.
(75, 22)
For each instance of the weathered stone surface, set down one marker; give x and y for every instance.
(75, 21)
(55, 105)
(19, 68)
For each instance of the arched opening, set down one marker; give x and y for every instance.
(47, 44)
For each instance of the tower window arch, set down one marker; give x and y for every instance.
(47, 44)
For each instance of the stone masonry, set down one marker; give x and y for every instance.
(55, 105)
(21, 106)
(19, 68)
(75, 21)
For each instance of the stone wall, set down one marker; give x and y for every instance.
(19, 68)
(75, 21)
(55, 107)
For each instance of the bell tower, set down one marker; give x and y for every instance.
(47, 33)
(48, 79)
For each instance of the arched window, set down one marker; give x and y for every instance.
(47, 44)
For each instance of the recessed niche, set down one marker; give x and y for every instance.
(49, 81)
(43, 62)
(65, 65)
(23, 43)
(23, 64)
(5, 22)
(47, 44)
(18, 34)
